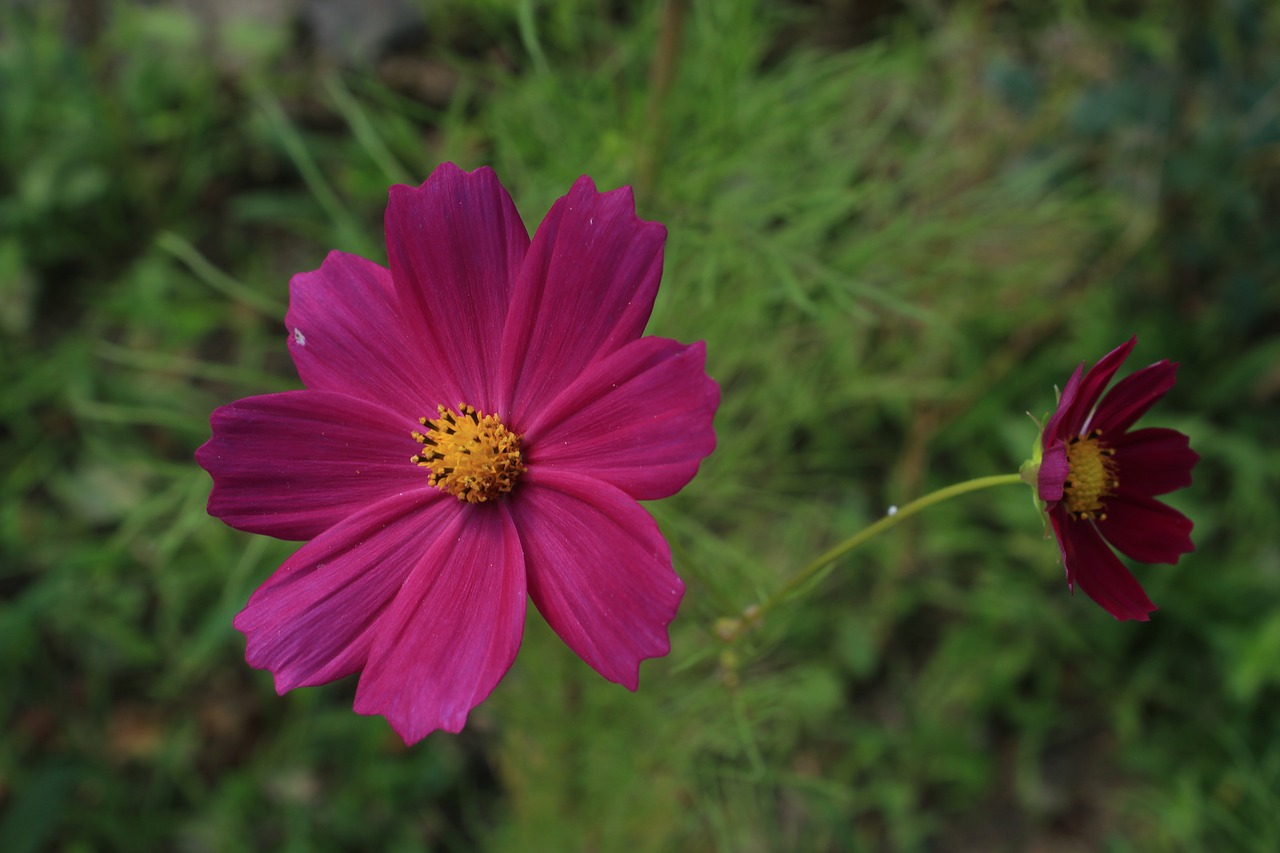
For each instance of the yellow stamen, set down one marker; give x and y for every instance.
(1091, 476)
(472, 456)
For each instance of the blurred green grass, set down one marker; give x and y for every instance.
(894, 240)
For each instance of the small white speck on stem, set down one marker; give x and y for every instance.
(893, 510)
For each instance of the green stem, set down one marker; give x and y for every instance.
(730, 629)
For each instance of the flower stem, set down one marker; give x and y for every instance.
(661, 75)
(729, 629)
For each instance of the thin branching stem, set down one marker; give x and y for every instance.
(731, 628)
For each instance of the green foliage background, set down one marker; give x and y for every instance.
(895, 237)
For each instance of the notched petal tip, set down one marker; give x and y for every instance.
(584, 185)
(619, 203)
(446, 171)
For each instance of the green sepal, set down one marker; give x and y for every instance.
(1029, 471)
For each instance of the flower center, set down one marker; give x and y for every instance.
(472, 456)
(1091, 476)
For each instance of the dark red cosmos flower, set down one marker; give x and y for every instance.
(1098, 481)
(478, 423)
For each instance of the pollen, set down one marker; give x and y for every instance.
(471, 455)
(1091, 476)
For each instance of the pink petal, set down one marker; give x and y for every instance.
(347, 334)
(1076, 420)
(586, 288)
(599, 570)
(1090, 563)
(639, 419)
(313, 621)
(1154, 461)
(455, 244)
(1146, 530)
(1132, 396)
(1053, 473)
(454, 629)
(292, 465)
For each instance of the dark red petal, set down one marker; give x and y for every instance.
(1061, 520)
(455, 244)
(1052, 478)
(586, 288)
(1099, 572)
(1091, 387)
(1154, 461)
(599, 571)
(292, 465)
(1053, 428)
(639, 419)
(1146, 530)
(314, 619)
(1132, 396)
(453, 630)
(347, 334)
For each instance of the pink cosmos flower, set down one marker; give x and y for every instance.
(478, 423)
(1098, 480)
